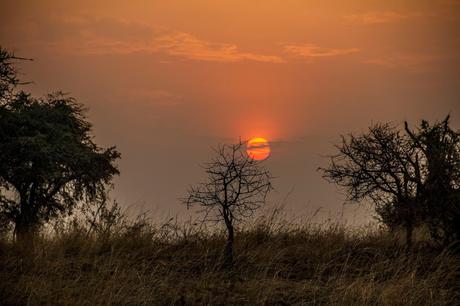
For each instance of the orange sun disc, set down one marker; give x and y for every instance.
(258, 148)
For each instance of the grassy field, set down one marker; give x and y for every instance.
(276, 263)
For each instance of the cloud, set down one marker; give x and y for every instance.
(371, 18)
(407, 60)
(92, 35)
(314, 51)
(188, 46)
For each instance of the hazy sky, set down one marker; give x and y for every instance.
(166, 80)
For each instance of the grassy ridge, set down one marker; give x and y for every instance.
(139, 263)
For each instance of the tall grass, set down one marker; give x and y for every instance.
(140, 263)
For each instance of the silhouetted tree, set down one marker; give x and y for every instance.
(236, 186)
(384, 167)
(410, 177)
(440, 147)
(8, 74)
(48, 160)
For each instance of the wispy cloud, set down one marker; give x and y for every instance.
(414, 61)
(314, 51)
(102, 36)
(379, 17)
(188, 46)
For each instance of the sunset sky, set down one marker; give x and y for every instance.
(166, 80)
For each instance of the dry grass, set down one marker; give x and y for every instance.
(276, 263)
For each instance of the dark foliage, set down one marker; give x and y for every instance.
(48, 160)
(440, 146)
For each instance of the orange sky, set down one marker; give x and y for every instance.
(164, 80)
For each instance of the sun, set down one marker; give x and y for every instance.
(258, 148)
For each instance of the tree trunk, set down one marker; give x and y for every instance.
(409, 234)
(25, 225)
(228, 252)
(23, 231)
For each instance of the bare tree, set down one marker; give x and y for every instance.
(411, 176)
(236, 186)
(382, 166)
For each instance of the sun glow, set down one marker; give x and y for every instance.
(258, 148)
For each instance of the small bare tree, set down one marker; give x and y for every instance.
(236, 186)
